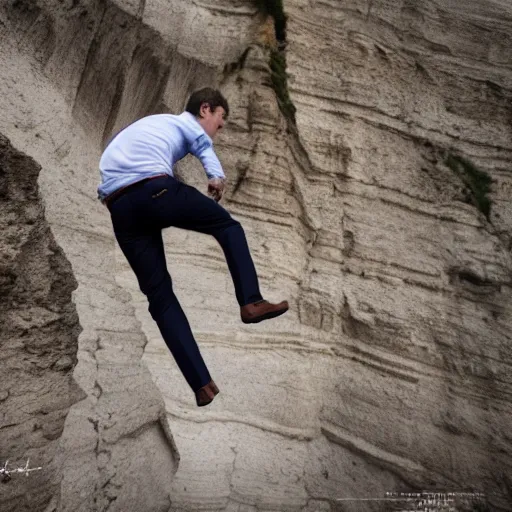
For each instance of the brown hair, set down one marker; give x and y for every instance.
(208, 95)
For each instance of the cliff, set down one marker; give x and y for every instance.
(373, 183)
(39, 335)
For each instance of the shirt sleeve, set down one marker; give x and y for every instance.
(202, 148)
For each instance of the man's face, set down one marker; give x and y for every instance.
(212, 122)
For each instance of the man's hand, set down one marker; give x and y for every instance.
(216, 188)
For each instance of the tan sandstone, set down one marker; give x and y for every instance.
(392, 369)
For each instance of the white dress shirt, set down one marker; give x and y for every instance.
(151, 146)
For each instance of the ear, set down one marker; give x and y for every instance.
(203, 109)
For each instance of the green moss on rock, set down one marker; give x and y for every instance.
(279, 83)
(278, 75)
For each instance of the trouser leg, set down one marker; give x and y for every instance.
(241, 266)
(138, 218)
(190, 209)
(145, 253)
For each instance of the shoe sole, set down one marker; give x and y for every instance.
(266, 316)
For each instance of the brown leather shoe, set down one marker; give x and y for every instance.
(262, 310)
(206, 394)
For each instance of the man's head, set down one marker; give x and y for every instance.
(210, 108)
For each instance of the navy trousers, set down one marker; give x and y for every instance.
(138, 217)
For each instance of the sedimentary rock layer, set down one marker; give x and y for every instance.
(391, 371)
(116, 451)
(39, 337)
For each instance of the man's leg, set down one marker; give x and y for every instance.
(145, 253)
(187, 208)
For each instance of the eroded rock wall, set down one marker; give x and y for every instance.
(391, 369)
(116, 451)
(423, 297)
(39, 330)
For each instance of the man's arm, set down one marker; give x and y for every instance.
(202, 148)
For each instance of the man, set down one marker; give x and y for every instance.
(143, 197)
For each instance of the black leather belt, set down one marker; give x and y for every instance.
(112, 198)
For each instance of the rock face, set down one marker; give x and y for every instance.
(391, 371)
(412, 279)
(116, 451)
(39, 332)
